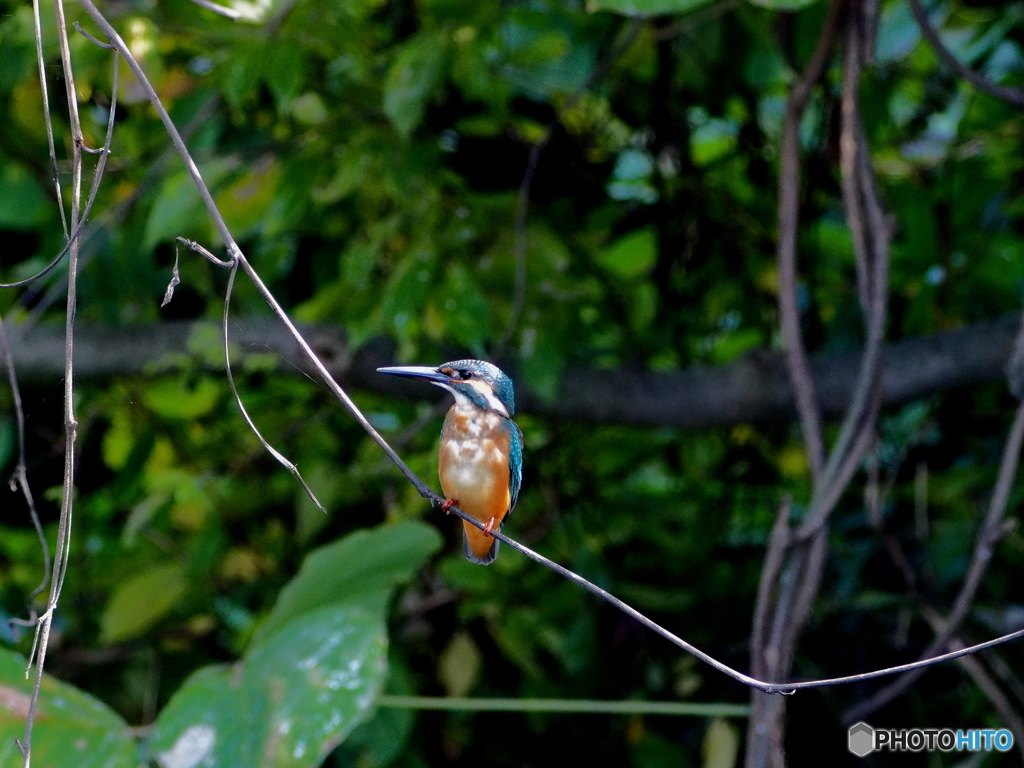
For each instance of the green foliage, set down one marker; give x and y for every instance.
(648, 7)
(363, 568)
(306, 680)
(288, 702)
(368, 156)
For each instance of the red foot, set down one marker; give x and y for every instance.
(447, 505)
(489, 526)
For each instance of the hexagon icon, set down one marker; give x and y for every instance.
(861, 739)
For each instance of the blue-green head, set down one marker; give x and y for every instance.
(473, 382)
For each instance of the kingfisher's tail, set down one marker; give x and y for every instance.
(478, 546)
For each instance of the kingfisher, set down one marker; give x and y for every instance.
(480, 462)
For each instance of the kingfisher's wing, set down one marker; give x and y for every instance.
(515, 460)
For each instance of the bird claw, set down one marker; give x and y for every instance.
(447, 504)
(489, 526)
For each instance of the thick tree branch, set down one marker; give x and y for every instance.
(753, 389)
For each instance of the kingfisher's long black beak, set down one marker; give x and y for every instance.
(422, 372)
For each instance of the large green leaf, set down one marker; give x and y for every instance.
(71, 727)
(287, 704)
(362, 568)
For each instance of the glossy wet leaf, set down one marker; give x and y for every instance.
(287, 704)
(71, 727)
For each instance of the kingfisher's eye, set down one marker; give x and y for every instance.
(464, 374)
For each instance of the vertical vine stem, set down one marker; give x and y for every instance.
(63, 543)
(988, 535)
(20, 477)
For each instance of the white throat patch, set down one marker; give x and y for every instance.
(493, 403)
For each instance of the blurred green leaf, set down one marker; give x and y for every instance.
(631, 256)
(23, 204)
(245, 202)
(543, 361)
(288, 703)
(721, 744)
(174, 398)
(71, 727)
(178, 210)
(412, 79)
(242, 75)
(285, 70)
(141, 601)
(784, 5)
(543, 52)
(459, 665)
(647, 7)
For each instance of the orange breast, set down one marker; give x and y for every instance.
(473, 468)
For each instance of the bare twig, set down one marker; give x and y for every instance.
(778, 543)
(1009, 94)
(75, 237)
(988, 535)
(112, 216)
(281, 458)
(101, 164)
(94, 41)
(63, 544)
(46, 116)
(20, 477)
(976, 670)
(766, 687)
